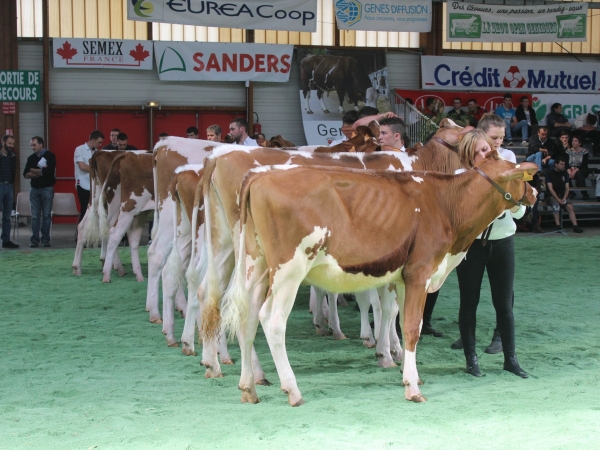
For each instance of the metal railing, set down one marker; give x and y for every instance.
(418, 126)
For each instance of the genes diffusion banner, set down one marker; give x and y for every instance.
(74, 53)
(334, 82)
(290, 15)
(199, 61)
(450, 73)
(386, 15)
(470, 22)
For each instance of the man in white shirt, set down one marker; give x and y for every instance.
(238, 130)
(83, 154)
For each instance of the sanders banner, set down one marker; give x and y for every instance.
(290, 15)
(195, 61)
(483, 74)
(390, 15)
(470, 22)
(76, 53)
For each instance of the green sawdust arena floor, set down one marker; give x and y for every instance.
(81, 367)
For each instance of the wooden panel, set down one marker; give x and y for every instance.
(66, 18)
(224, 34)
(260, 36)
(202, 34)
(115, 18)
(54, 18)
(91, 19)
(177, 32)
(141, 30)
(213, 34)
(164, 31)
(271, 37)
(79, 20)
(189, 33)
(237, 35)
(103, 14)
(39, 19)
(282, 37)
(128, 25)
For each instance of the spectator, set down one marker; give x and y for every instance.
(123, 142)
(238, 129)
(83, 154)
(162, 136)
(348, 127)
(391, 134)
(508, 114)
(434, 109)
(561, 149)
(556, 121)
(557, 182)
(577, 167)
(589, 130)
(192, 133)
(213, 133)
(457, 115)
(114, 145)
(525, 112)
(40, 169)
(8, 172)
(541, 149)
(474, 112)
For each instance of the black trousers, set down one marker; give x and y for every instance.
(498, 257)
(84, 199)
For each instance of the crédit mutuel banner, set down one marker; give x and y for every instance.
(290, 15)
(385, 15)
(196, 61)
(450, 73)
(470, 22)
(74, 53)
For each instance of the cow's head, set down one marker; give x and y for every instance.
(278, 142)
(451, 133)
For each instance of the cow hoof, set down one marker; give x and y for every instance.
(210, 374)
(76, 271)
(369, 343)
(156, 320)
(106, 280)
(386, 363)
(249, 395)
(264, 382)
(122, 273)
(227, 361)
(339, 336)
(294, 399)
(417, 398)
(139, 278)
(420, 382)
(172, 343)
(187, 350)
(322, 331)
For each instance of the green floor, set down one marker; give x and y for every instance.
(81, 367)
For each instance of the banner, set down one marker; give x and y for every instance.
(20, 86)
(390, 15)
(286, 15)
(336, 81)
(470, 22)
(77, 53)
(573, 105)
(487, 100)
(485, 74)
(195, 61)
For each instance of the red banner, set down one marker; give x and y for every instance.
(488, 100)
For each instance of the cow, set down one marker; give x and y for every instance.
(296, 224)
(463, 24)
(132, 185)
(342, 74)
(88, 230)
(569, 25)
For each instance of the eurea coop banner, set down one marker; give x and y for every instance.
(290, 15)
(336, 81)
(484, 74)
(471, 22)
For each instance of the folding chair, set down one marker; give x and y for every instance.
(64, 205)
(23, 210)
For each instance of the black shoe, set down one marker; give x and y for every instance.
(34, 245)
(512, 365)
(9, 244)
(457, 345)
(496, 344)
(585, 195)
(473, 366)
(428, 329)
(572, 195)
(46, 244)
(577, 229)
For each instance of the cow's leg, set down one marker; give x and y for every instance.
(80, 243)
(377, 312)
(387, 296)
(223, 350)
(134, 235)
(307, 101)
(395, 344)
(320, 97)
(334, 318)
(115, 235)
(411, 305)
(158, 252)
(318, 314)
(195, 273)
(366, 333)
(103, 244)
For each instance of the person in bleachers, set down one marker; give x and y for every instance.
(557, 196)
(556, 121)
(526, 112)
(540, 150)
(474, 112)
(457, 115)
(434, 109)
(589, 130)
(509, 115)
(578, 164)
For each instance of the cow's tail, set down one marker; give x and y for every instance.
(211, 315)
(91, 232)
(174, 265)
(102, 206)
(234, 308)
(156, 197)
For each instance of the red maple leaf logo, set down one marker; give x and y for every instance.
(66, 51)
(139, 54)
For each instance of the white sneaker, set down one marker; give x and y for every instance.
(524, 144)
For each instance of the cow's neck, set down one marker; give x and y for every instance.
(434, 157)
(473, 203)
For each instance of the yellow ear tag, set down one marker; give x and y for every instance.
(527, 177)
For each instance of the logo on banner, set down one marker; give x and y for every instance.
(465, 25)
(571, 26)
(540, 109)
(349, 11)
(513, 78)
(143, 8)
(171, 60)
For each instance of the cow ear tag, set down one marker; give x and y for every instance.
(527, 177)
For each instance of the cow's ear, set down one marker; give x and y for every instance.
(364, 131)
(525, 171)
(374, 128)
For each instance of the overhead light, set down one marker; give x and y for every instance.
(152, 104)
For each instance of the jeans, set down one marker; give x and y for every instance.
(41, 205)
(6, 200)
(521, 126)
(537, 158)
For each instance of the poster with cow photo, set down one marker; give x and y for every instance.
(333, 82)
